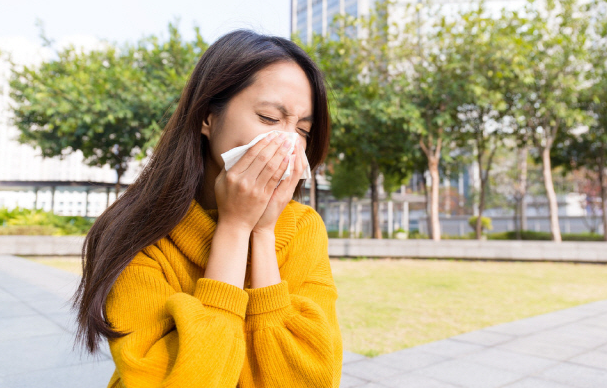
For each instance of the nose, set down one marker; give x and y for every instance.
(291, 126)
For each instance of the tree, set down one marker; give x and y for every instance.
(435, 91)
(108, 103)
(594, 142)
(492, 70)
(587, 151)
(555, 42)
(369, 117)
(348, 180)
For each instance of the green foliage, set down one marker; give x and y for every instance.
(346, 234)
(416, 235)
(485, 222)
(370, 119)
(107, 103)
(532, 235)
(34, 222)
(348, 179)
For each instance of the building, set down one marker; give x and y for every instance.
(315, 16)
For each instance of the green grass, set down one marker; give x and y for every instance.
(67, 263)
(386, 305)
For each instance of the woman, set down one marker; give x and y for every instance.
(200, 277)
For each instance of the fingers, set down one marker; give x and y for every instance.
(247, 159)
(275, 168)
(297, 161)
(275, 178)
(265, 160)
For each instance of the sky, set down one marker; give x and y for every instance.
(84, 22)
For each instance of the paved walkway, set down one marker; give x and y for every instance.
(567, 348)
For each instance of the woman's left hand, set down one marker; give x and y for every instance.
(282, 194)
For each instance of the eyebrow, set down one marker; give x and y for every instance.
(282, 108)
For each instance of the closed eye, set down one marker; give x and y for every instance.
(268, 119)
(274, 121)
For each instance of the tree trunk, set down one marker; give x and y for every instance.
(478, 228)
(447, 195)
(517, 227)
(551, 195)
(427, 206)
(119, 173)
(374, 178)
(350, 224)
(434, 198)
(522, 190)
(603, 180)
(313, 192)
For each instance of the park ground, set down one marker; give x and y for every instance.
(385, 305)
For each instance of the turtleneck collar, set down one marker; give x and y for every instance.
(194, 233)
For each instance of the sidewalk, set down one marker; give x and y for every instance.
(567, 348)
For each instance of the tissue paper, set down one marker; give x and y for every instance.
(232, 156)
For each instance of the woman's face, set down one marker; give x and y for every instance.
(280, 98)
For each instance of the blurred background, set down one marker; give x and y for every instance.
(510, 130)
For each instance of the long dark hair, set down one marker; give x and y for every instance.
(161, 195)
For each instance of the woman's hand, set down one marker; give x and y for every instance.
(283, 193)
(242, 194)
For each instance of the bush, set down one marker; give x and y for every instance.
(30, 230)
(532, 235)
(485, 223)
(346, 234)
(21, 221)
(468, 236)
(415, 234)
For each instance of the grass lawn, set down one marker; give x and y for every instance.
(386, 305)
(66, 263)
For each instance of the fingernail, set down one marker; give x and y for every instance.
(287, 144)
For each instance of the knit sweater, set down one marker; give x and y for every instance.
(190, 331)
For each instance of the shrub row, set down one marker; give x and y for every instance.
(20, 221)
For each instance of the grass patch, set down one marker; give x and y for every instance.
(385, 305)
(71, 264)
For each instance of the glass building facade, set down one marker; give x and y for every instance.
(315, 16)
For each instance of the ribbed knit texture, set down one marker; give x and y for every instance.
(190, 331)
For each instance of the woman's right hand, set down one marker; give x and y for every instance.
(243, 193)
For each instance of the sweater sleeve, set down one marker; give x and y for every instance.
(294, 340)
(175, 339)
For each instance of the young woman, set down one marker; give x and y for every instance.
(200, 277)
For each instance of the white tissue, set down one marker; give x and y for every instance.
(232, 156)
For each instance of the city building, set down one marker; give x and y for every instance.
(315, 16)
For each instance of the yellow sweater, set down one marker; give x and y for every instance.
(190, 331)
